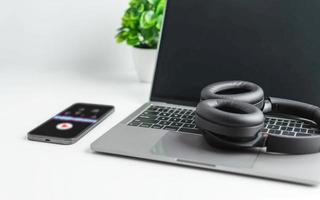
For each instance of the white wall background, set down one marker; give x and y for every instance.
(75, 34)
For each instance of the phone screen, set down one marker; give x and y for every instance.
(73, 121)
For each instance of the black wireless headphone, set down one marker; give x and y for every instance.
(230, 115)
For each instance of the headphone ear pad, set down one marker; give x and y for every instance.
(317, 116)
(222, 142)
(229, 118)
(235, 90)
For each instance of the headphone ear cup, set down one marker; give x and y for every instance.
(235, 90)
(317, 116)
(222, 142)
(230, 119)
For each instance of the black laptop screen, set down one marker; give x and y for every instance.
(275, 43)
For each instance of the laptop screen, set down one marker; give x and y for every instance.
(274, 43)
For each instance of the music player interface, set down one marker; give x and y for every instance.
(72, 121)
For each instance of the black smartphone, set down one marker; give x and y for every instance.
(71, 124)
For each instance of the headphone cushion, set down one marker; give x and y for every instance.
(316, 116)
(222, 142)
(229, 118)
(235, 90)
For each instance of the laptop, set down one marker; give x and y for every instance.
(273, 43)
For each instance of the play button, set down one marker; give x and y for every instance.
(64, 126)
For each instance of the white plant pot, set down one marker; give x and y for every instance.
(144, 61)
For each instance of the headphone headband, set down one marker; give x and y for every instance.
(293, 145)
(295, 108)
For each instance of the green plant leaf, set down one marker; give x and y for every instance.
(148, 19)
(132, 39)
(159, 22)
(141, 8)
(160, 7)
(141, 23)
(153, 2)
(137, 3)
(120, 39)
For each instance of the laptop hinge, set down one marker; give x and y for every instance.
(172, 101)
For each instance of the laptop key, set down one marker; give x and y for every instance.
(297, 129)
(273, 127)
(145, 125)
(189, 125)
(171, 128)
(164, 114)
(137, 120)
(303, 130)
(176, 115)
(303, 134)
(164, 123)
(147, 117)
(311, 131)
(289, 129)
(186, 121)
(291, 124)
(288, 133)
(173, 119)
(134, 123)
(176, 124)
(163, 118)
(149, 113)
(272, 131)
(152, 108)
(157, 126)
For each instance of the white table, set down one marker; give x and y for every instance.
(38, 171)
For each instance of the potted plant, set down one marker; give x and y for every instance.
(140, 27)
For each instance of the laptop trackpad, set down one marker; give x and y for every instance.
(192, 148)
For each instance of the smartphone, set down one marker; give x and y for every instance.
(71, 124)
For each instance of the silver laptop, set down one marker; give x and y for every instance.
(273, 43)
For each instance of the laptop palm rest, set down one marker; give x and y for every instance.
(192, 148)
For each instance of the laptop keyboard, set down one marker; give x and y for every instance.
(167, 118)
(289, 127)
(182, 120)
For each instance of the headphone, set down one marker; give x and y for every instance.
(231, 115)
